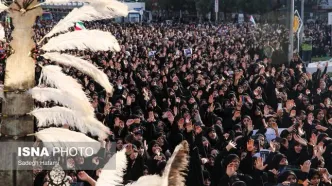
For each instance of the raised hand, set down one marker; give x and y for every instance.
(98, 172)
(266, 110)
(272, 146)
(231, 145)
(285, 183)
(181, 123)
(175, 111)
(291, 128)
(259, 164)
(309, 75)
(237, 114)
(211, 99)
(175, 79)
(274, 126)
(128, 102)
(313, 139)
(204, 160)
(198, 130)
(299, 140)
(290, 104)
(306, 183)
(107, 109)
(130, 122)
(82, 175)
(170, 117)
(319, 127)
(320, 150)
(293, 113)
(273, 71)
(306, 166)
(189, 127)
(275, 172)
(249, 100)
(211, 108)
(250, 145)
(199, 93)
(250, 126)
(226, 136)
(238, 75)
(307, 92)
(326, 178)
(262, 71)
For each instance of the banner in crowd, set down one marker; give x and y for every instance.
(270, 133)
(297, 23)
(252, 20)
(169, 22)
(188, 52)
(312, 67)
(329, 20)
(324, 4)
(264, 153)
(152, 53)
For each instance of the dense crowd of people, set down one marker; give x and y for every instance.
(320, 37)
(249, 117)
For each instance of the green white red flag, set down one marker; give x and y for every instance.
(79, 26)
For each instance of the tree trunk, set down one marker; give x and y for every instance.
(20, 74)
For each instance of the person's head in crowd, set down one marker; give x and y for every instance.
(70, 163)
(246, 120)
(297, 147)
(160, 126)
(79, 160)
(207, 179)
(161, 140)
(288, 176)
(237, 129)
(138, 134)
(119, 144)
(279, 162)
(261, 140)
(134, 152)
(212, 133)
(287, 135)
(314, 177)
(154, 148)
(231, 161)
(320, 115)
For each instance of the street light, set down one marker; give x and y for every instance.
(291, 35)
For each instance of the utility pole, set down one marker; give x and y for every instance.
(19, 77)
(291, 35)
(302, 17)
(216, 9)
(302, 10)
